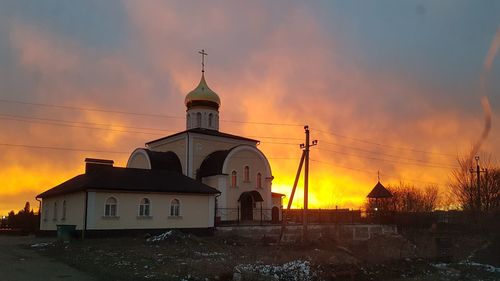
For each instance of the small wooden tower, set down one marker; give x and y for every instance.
(378, 199)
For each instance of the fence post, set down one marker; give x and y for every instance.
(260, 213)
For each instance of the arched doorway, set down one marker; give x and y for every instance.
(246, 208)
(275, 214)
(247, 203)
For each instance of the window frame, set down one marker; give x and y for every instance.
(210, 120)
(64, 210)
(54, 215)
(246, 173)
(108, 213)
(45, 211)
(234, 178)
(175, 208)
(259, 180)
(198, 119)
(143, 207)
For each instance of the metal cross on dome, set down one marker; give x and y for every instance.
(203, 54)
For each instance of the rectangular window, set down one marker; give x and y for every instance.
(110, 211)
(174, 210)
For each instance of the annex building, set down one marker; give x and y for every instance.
(193, 179)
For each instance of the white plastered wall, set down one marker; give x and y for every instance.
(196, 211)
(237, 159)
(75, 203)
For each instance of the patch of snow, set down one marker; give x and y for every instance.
(40, 245)
(161, 237)
(295, 270)
(487, 267)
(209, 254)
(440, 265)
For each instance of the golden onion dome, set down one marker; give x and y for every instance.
(202, 95)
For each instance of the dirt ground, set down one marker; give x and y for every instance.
(177, 256)
(18, 261)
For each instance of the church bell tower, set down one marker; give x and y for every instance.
(202, 104)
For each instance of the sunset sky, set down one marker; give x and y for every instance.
(392, 86)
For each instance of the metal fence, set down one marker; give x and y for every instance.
(253, 216)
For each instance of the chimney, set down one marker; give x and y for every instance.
(93, 165)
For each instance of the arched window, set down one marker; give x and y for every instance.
(175, 208)
(63, 210)
(45, 211)
(234, 179)
(259, 180)
(198, 120)
(144, 207)
(110, 207)
(210, 120)
(55, 211)
(247, 174)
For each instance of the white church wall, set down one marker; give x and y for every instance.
(203, 145)
(196, 211)
(237, 162)
(74, 211)
(220, 183)
(139, 160)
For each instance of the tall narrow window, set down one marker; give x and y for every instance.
(175, 207)
(233, 179)
(63, 210)
(45, 211)
(110, 207)
(247, 174)
(144, 207)
(210, 120)
(198, 120)
(55, 211)
(259, 180)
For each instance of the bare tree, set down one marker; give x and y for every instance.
(408, 198)
(465, 190)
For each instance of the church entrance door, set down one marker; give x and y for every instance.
(275, 214)
(246, 207)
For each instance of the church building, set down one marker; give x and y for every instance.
(196, 178)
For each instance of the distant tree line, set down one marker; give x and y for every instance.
(25, 220)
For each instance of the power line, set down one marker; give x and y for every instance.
(61, 148)
(71, 149)
(390, 160)
(177, 117)
(421, 162)
(373, 152)
(366, 171)
(75, 126)
(138, 113)
(78, 124)
(385, 145)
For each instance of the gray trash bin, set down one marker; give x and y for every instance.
(66, 231)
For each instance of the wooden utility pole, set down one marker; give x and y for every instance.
(306, 148)
(304, 160)
(478, 172)
(284, 214)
